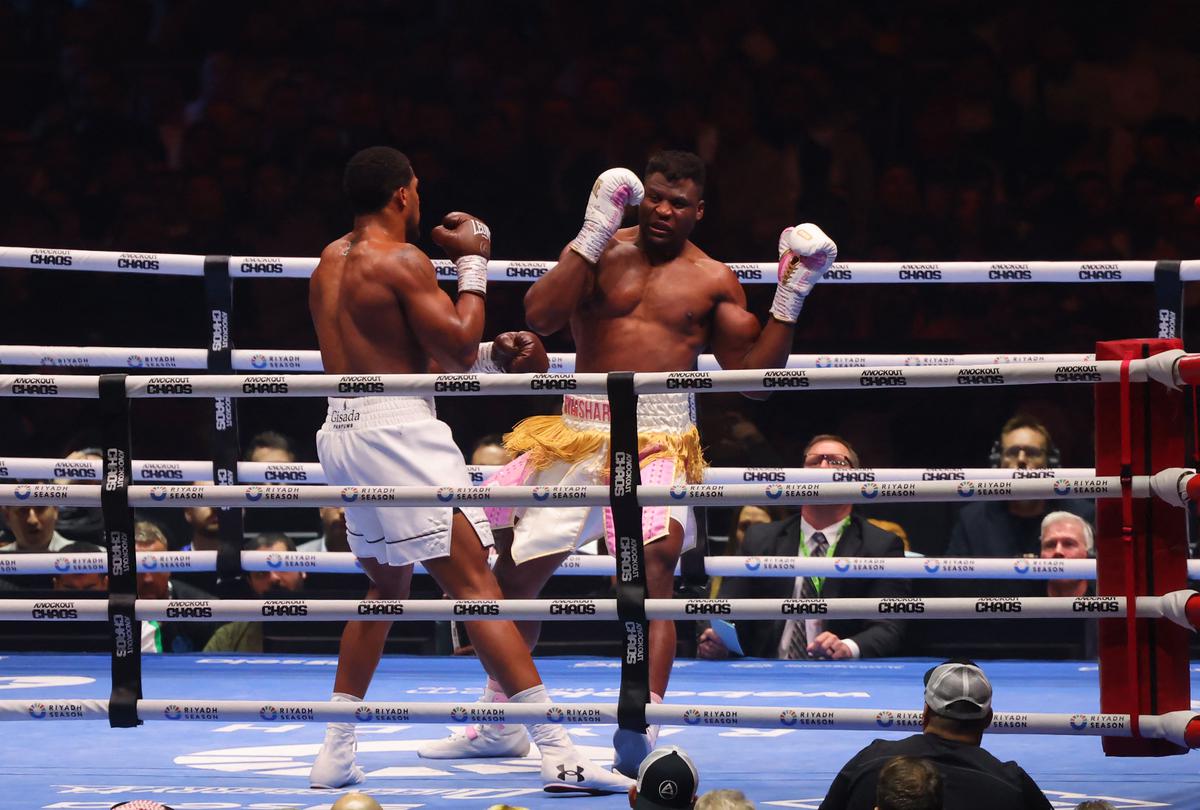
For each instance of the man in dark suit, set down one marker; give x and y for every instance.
(820, 529)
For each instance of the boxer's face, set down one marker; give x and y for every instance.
(669, 211)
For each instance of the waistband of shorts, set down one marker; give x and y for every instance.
(360, 413)
(656, 413)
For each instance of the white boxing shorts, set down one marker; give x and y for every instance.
(572, 450)
(395, 441)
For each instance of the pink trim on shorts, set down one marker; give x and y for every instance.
(515, 473)
(660, 472)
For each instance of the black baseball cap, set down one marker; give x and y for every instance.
(667, 780)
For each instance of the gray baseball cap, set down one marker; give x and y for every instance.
(958, 690)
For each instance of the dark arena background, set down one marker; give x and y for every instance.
(917, 135)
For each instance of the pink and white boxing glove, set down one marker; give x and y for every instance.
(805, 254)
(612, 191)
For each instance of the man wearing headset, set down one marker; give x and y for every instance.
(1013, 528)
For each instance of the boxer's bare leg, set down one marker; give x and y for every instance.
(661, 558)
(465, 575)
(362, 642)
(524, 581)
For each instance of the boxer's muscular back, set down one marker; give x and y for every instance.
(355, 305)
(639, 317)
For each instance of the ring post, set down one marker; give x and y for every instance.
(623, 480)
(1157, 546)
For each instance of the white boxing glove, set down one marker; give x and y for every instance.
(612, 191)
(805, 254)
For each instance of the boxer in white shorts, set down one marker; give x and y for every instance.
(383, 441)
(377, 309)
(637, 299)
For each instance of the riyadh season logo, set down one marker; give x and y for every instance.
(555, 714)
(932, 566)
(22, 492)
(274, 560)
(268, 712)
(966, 489)
(349, 494)
(172, 712)
(254, 494)
(458, 714)
(870, 489)
(541, 493)
(753, 563)
(258, 361)
(134, 361)
(364, 714)
(148, 564)
(691, 717)
(841, 566)
(1021, 566)
(788, 717)
(158, 493)
(445, 494)
(1062, 486)
(1079, 722)
(774, 492)
(885, 719)
(679, 492)
(824, 361)
(62, 564)
(37, 710)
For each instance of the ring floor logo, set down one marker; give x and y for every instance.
(378, 757)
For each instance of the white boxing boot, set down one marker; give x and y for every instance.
(564, 769)
(335, 766)
(481, 739)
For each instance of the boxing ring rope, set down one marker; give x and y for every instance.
(311, 473)
(178, 264)
(1180, 607)
(269, 360)
(1180, 727)
(1172, 368)
(344, 562)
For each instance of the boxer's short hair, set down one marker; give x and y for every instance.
(677, 165)
(372, 177)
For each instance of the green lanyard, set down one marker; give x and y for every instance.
(819, 582)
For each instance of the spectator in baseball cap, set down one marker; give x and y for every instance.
(958, 708)
(667, 780)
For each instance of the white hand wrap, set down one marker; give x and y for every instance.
(472, 274)
(484, 364)
(612, 191)
(805, 254)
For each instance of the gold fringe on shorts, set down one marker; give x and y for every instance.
(547, 440)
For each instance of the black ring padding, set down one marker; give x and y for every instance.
(623, 480)
(126, 661)
(1168, 297)
(229, 561)
(218, 295)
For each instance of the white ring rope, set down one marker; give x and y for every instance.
(177, 264)
(311, 473)
(289, 360)
(1171, 606)
(344, 562)
(1170, 726)
(1164, 367)
(1170, 484)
